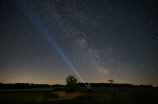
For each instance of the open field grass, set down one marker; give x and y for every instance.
(100, 95)
(102, 98)
(22, 96)
(109, 98)
(103, 95)
(64, 95)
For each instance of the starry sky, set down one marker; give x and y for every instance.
(102, 39)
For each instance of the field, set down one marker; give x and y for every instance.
(22, 96)
(100, 95)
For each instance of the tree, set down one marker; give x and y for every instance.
(71, 84)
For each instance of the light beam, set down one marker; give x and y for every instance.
(36, 21)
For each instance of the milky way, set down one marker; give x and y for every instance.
(103, 39)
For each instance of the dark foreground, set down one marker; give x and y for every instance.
(99, 96)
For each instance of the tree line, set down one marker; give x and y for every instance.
(115, 85)
(22, 85)
(71, 85)
(31, 85)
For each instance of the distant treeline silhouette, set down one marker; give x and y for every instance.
(32, 85)
(22, 85)
(116, 85)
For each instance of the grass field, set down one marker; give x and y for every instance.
(22, 96)
(107, 97)
(100, 95)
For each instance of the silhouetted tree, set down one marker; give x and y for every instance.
(71, 84)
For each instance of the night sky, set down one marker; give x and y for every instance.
(102, 39)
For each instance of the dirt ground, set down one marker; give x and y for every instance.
(48, 98)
